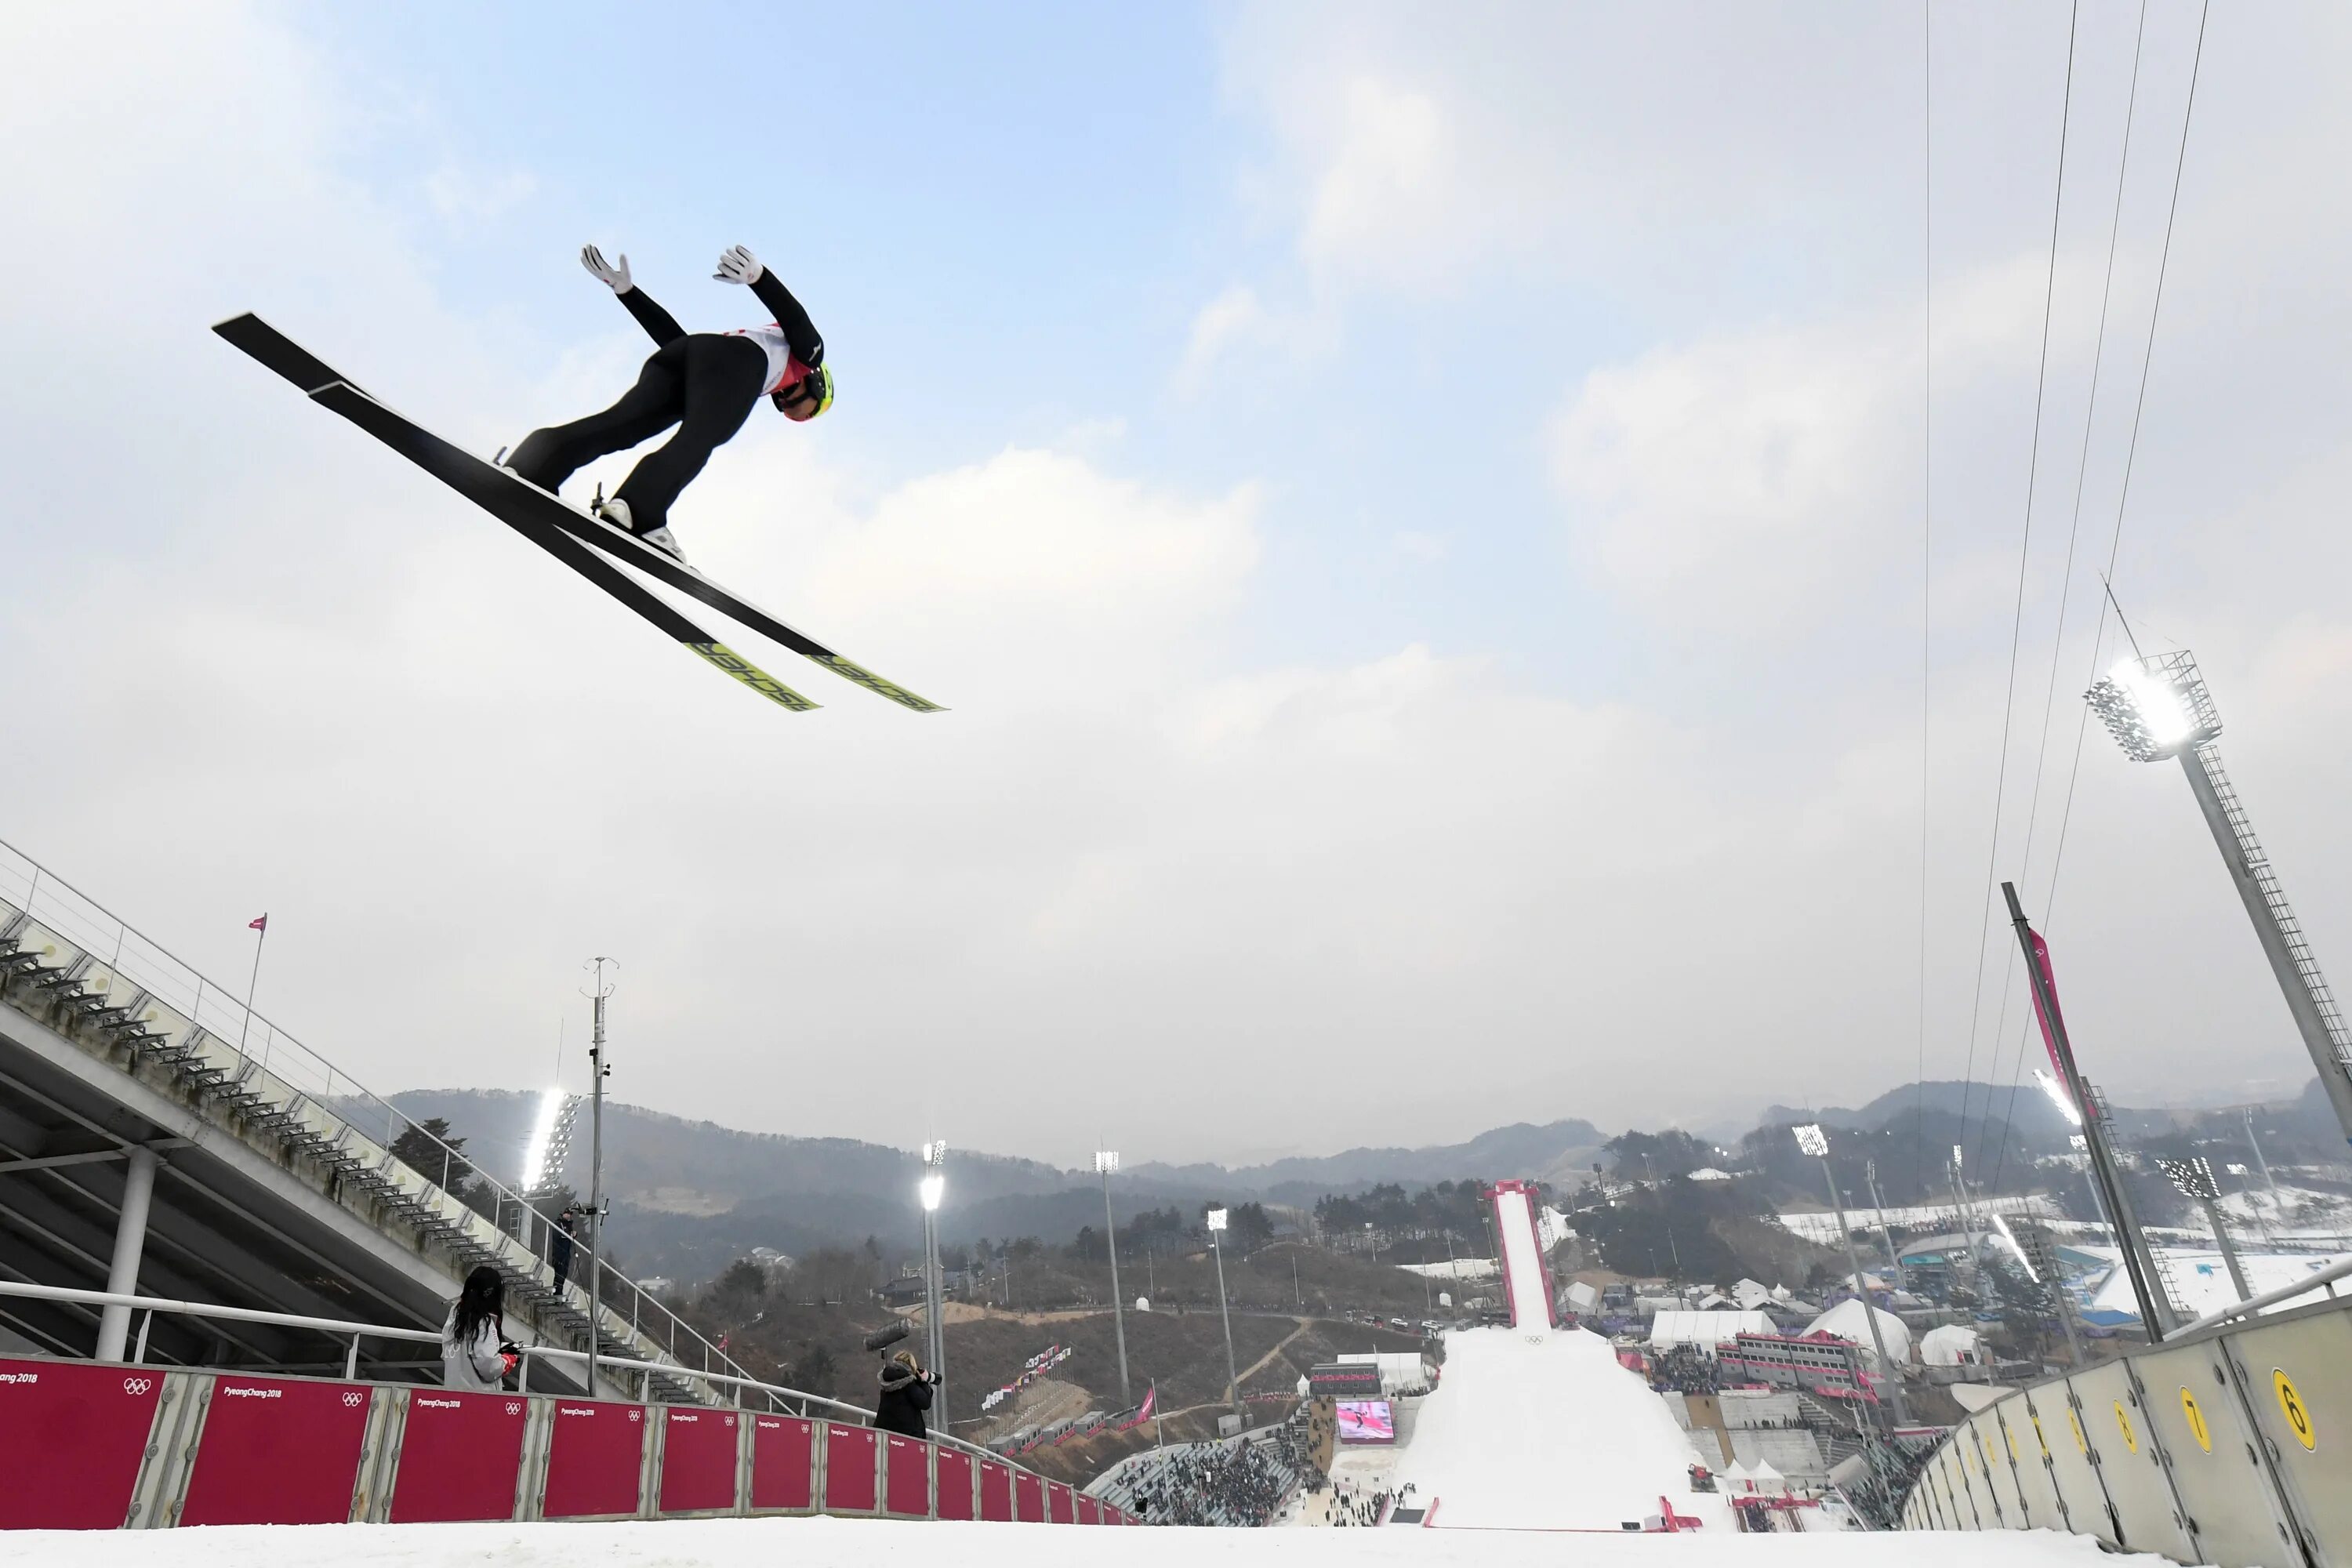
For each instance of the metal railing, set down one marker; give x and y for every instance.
(132, 958)
(778, 1395)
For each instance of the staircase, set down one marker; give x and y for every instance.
(155, 1020)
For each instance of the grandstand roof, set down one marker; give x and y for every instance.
(1845, 1321)
(1706, 1330)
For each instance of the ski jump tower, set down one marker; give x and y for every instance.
(1527, 1277)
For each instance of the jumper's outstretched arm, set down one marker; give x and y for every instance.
(737, 265)
(658, 324)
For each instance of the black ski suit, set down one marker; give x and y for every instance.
(706, 384)
(905, 1396)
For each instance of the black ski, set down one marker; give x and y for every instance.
(501, 491)
(496, 491)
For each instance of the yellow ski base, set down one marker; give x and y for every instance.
(752, 675)
(875, 683)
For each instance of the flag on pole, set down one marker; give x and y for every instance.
(260, 925)
(2050, 1028)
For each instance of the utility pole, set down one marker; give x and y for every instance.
(597, 992)
(1107, 1162)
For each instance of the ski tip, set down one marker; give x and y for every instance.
(723, 657)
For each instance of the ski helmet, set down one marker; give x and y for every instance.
(816, 379)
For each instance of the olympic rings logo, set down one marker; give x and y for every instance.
(514, 1406)
(635, 1416)
(352, 1398)
(136, 1385)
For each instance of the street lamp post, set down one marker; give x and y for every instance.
(1816, 1142)
(1107, 1162)
(2156, 706)
(931, 1189)
(1217, 1218)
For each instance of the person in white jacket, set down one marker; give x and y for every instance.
(475, 1354)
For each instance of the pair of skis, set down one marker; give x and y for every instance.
(573, 536)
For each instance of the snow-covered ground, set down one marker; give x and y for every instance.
(2200, 1279)
(1454, 1269)
(2294, 1213)
(862, 1543)
(1523, 1260)
(1822, 1226)
(1541, 1429)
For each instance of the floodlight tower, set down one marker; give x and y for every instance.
(1217, 1218)
(1106, 1163)
(931, 1189)
(1812, 1140)
(2194, 1177)
(2157, 707)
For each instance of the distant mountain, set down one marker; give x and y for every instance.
(689, 1196)
(1519, 1150)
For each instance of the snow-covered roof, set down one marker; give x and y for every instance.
(1953, 1344)
(1846, 1322)
(1709, 1174)
(1706, 1330)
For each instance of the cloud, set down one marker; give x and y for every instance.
(466, 197)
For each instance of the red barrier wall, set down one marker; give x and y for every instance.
(593, 1457)
(906, 1476)
(851, 1456)
(1060, 1509)
(459, 1454)
(783, 1462)
(1029, 1498)
(1089, 1510)
(996, 1491)
(71, 1436)
(698, 1450)
(955, 1483)
(277, 1451)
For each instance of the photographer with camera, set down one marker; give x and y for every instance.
(906, 1395)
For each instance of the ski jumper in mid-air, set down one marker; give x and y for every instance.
(706, 384)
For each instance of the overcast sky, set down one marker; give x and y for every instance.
(1417, 514)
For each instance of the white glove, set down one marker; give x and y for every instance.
(737, 265)
(616, 278)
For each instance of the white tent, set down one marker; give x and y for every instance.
(1705, 1330)
(1846, 1322)
(1951, 1345)
(1751, 1295)
(1765, 1481)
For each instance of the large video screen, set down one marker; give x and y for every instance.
(1366, 1421)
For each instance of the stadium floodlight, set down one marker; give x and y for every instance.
(544, 1156)
(2194, 1177)
(2058, 1097)
(2157, 708)
(2001, 1227)
(1106, 1166)
(935, 1155)
(1217, 1219)
(1815, 1142)
(933, 1188)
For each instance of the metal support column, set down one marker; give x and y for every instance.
(130, 1242)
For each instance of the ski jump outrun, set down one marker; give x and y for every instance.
(704, 384)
